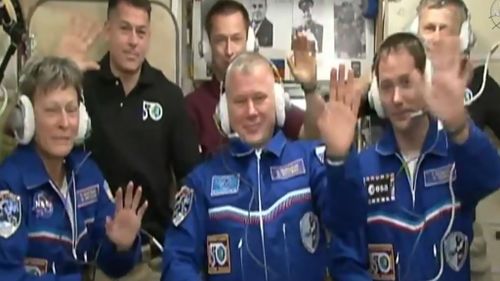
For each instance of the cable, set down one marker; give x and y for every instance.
(3, 92)
(469, 97)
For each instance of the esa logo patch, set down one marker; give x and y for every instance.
(218, 251)
(382, 264)
(380, 188)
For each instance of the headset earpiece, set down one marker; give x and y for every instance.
(22, 120)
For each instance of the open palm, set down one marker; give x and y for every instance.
(123, 228)
(302, 61)
(337, 122)
(76, 42)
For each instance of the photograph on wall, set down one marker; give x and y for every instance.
(349, 29)
(339, 32)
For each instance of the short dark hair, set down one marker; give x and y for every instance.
(226, 7)
(141, 4)
(406, 40)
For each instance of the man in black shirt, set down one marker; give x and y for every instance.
(140, 128)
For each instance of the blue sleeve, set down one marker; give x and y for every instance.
(348, 199)
(184, 250)
(14, 235)
(349, 252)
(477, 166)
(115, 264)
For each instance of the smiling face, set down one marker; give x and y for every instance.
(56, 120)
(251, 104)
(128, 35)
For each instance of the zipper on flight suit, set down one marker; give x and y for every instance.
(258, 153)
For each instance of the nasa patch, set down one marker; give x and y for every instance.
(382, 264)
(10, 213)
(456, 249)
(42, 205)
(219, 256)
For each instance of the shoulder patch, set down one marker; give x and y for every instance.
(183, 204)
(10, 213)
(320, 153)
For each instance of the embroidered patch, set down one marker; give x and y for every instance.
(456, 249)
(87, 196)
(35, 266)
(310, 231)
(224, 185)
(151, 110)
(42, 205)
(382, 264)
(438, 176)
(183, 202)
(290, 170)
(380, 188)
(219, 256)
(10, 213)
(320, 153)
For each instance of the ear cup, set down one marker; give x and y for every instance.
(84, 124)
(413, 27)
(23, 121)
(280, 104)
(223, 114)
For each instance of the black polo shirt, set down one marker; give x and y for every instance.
(140, 137)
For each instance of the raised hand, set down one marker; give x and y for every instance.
(337, 122)
(302, 62)
(445, 98)
(77, 40)
(123, 228)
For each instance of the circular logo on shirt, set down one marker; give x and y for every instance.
(42, 205)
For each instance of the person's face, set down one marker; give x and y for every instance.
(56, 121)
(128, 34)
(251, 105)
(401, 87)
(228, 39)
(434, 23)
(307, 15)
(258, 9)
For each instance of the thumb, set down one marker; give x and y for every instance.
(108, 224)
(90, 65)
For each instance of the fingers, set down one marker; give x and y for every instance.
(342, 84)
(137, 198)
(119, 200)
(129, 194)
(291, 62)
(349, 89)
(142, 209)
(333, 86)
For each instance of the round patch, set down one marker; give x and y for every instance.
(42, 205)
(456, 249)
(155, 111)
(220, 253)
(310, 231)
(384, 263)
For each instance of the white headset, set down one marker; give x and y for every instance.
(22, 121)
(281, 101)
(206, 52)
(374, 92)
(467, 37)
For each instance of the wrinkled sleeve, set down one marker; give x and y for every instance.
(477, 166)
(183, 256)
